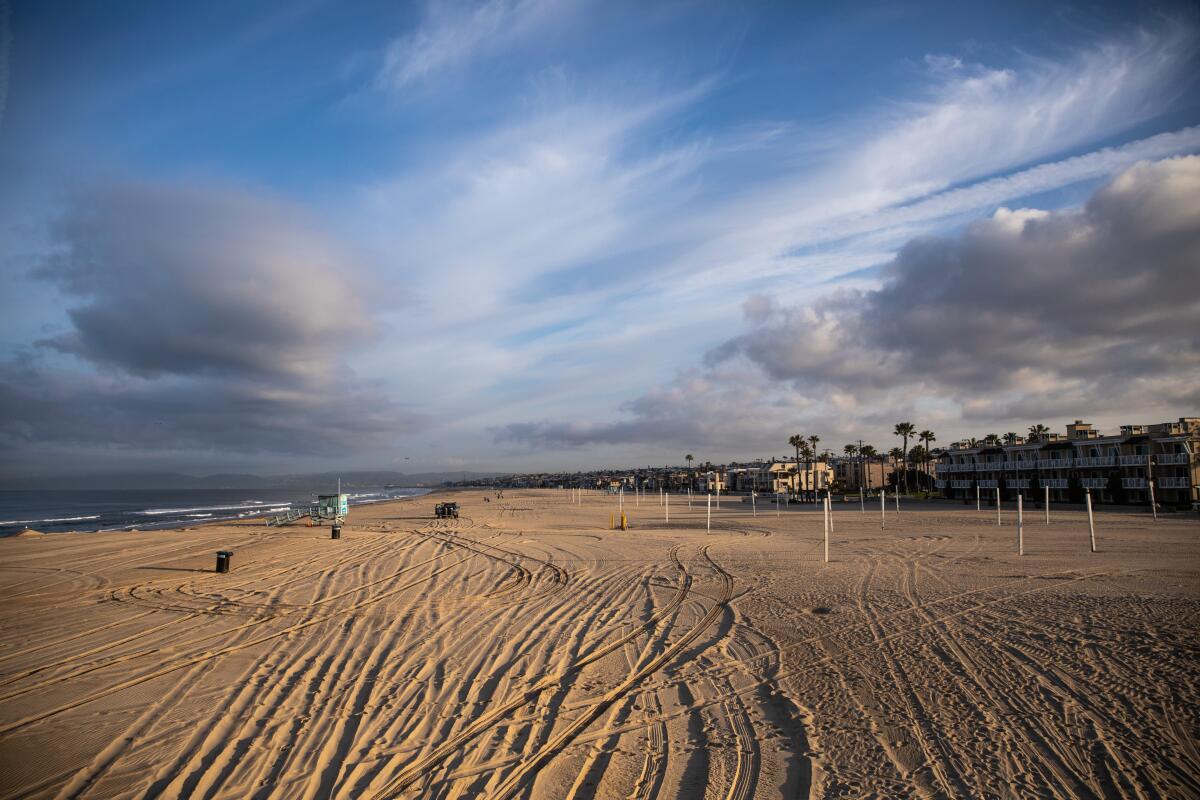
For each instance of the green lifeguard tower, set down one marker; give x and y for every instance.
(332, 507)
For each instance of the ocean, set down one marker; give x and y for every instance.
(115, 510)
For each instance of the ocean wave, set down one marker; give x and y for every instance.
(254, 506)
(48, 519)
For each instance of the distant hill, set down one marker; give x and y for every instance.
(178, 480)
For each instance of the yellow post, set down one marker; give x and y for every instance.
(623, 521)
(612, 521)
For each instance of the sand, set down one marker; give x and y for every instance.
(27, 533)
(524, 650)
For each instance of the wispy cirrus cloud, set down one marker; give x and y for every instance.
(453, 33)
(1024, 315)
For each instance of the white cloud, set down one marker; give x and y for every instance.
(453, 34)
(1027, 314)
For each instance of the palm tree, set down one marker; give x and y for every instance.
(897, 455)
(807, 454)
(868, 453)
(812, 441)
(851, 450)
(928, 438)
(1011, 437)
(992, 439)
(905, 430)
(691, 475)
(797, 441)
(1037, 432)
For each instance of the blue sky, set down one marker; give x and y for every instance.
(533, 233)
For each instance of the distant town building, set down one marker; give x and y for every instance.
(1115, 468)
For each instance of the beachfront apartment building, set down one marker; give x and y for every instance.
(1114, 468)
(781, 477)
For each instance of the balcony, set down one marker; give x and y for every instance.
(1054, 463)
(1093, 483)
(1133, 461)
(1029, 463)
(1017, 483)
(1166, 459)
(992, 484)
(940, 484)
(1096, 461)
(960, 484)
(1133, 483)
(1172, 483)
(1053, 483)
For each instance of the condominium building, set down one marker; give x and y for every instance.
(1115, 468)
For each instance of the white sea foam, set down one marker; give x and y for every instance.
(48, 519)
(255, 506)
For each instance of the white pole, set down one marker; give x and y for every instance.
(666, 507)
(718, 497)
(897, 501)
(997, 505)
(1153, 505)
(978, 506)
(1091, 522)
(862, 499)
(829, 505)
(708, 524)
(883, 509)
(621, 500)
(1020, 530)
(689, 497)
(826, 530)
(753, 503)
(1047, 505)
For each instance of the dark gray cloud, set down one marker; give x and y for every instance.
(1025, 301)
(203, 280)
(202, 318)
(1026, 314)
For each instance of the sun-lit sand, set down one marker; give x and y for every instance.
(525, 650)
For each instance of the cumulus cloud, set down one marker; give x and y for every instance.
(204, 317)
(1024, 314)
(1106, 292)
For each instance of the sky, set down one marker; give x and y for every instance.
(543, 235)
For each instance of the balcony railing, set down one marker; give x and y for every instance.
(987, 484)
(960, 484)
(1029, 463)
(1172, 483)
(1133, 461)
(1054, 463)
(1017, 483)
(1096, 461)
(1171, 458)
(1053, 483)
(940, 484)
(1093, 483)
(1133, 483)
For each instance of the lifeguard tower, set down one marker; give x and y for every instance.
(333, 508)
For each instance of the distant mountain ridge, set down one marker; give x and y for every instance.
(177, 480)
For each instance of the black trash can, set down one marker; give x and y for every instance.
(223, 557)
(336, 532)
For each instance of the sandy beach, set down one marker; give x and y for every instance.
(526, 650)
